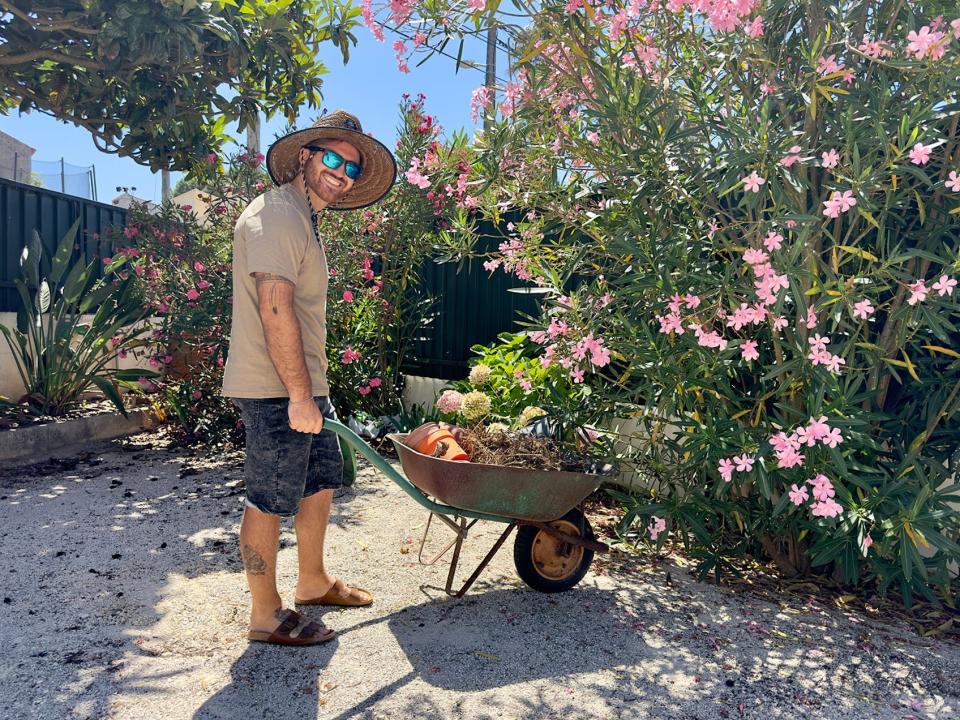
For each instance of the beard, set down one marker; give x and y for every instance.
(326, 185)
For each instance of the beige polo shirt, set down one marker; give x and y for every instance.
(273, 235)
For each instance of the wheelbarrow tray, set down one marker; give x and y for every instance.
(518, 493)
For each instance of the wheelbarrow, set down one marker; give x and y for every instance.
(554, 546)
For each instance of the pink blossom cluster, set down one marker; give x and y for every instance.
(415, 177)
(839, 202)
(479, 102)
(350, 355)
(738, 463)
(577, 355)
(823, 494)
(875, 49)
(944, 285)
(370, 385)
(927, 42)
(787, 446)
(819, 355)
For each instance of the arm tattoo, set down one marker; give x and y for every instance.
(253, 561)
(273, 280)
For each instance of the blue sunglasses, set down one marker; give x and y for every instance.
(334, 160)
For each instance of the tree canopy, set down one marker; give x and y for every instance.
(160, 80)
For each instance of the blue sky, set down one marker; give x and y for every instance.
(370, 86)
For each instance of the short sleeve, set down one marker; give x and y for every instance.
(275, 243)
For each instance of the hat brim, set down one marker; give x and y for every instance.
(379, 165)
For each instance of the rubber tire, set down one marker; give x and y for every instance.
(527, 570)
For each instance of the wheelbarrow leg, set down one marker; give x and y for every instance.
(459, 532)
(480, 567)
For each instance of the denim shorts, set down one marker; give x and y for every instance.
(284, 466)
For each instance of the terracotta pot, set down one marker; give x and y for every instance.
(430, 439)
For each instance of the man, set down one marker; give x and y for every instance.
(276, 369)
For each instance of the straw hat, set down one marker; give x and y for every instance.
(379, 166)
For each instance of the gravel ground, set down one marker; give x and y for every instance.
(124, 598)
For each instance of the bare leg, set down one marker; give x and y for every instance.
(259, 538)
(311, 525)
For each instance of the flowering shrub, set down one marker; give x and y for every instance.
(181, 263)
(762, 199)
(376, 305)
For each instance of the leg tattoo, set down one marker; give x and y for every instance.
(253, 561)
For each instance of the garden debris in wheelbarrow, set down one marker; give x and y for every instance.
(521, 450)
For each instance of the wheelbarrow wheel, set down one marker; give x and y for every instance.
(548, 564)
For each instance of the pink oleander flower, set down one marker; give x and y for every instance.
(743, 462)
(476, 5)
(920, 154)
(748, 349)
(918, 292)
(798, 495)
(364, 389)
(350, 355)
(925, 42)
(945, 285)
(198, 266)
(867, 542)
(827, 64)
(817, 428)
(822, 485)
(752, 182)
(491, 265)
(192, 295)
(826, 508)
(818, 343)
(832, 438)
(347, 296)
(773, 241)
(830, 158)
(863, 309)
(767, 88)
(374, 382)
(576, 374)
(450, 401)
(754, 256)
(479, 101)
(954, 182)
(955, 24)
(691, 301)
(657, 526)
(755, 28)
(725, 468)
(789, 458)
(791, 158)
(779, 323)
(839, 203)
(415, 177)
(805, 437)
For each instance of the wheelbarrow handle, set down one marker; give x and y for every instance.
(375, 459)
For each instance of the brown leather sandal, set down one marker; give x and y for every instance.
(340, 595)
(308, 632)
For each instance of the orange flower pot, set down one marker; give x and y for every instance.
(430, 439)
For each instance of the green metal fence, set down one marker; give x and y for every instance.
(24, 208)
(471, 306)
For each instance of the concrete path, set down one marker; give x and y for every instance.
(123, 598)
